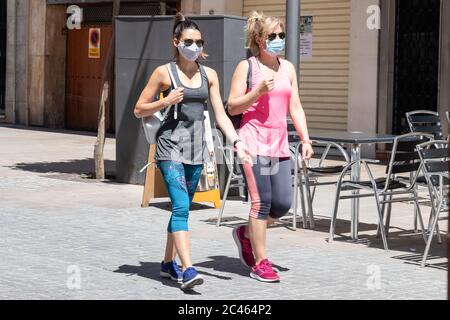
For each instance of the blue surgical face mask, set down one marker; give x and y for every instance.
(190, 53)
(275, 47)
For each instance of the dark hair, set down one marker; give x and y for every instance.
(182, 23)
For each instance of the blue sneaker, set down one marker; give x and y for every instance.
(191, 278)
(172, 271)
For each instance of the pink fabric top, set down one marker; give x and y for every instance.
(264, 124)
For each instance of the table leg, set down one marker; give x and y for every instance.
(355, 174)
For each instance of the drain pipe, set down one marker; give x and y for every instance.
(14, 116)
(293, 33)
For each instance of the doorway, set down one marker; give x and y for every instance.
(2, 55)
(84, 77)
(416, 59)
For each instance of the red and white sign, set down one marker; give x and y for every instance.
(94, 43)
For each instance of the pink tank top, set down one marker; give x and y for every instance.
(264, 125)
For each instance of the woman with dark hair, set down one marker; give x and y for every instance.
(180, 147)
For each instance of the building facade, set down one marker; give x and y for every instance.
(371, 60)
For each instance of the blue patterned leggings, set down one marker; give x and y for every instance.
(181, 182)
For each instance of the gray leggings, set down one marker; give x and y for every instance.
(269, 184)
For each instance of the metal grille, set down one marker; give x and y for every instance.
(416, 59)
(103, 14)
(2, 54)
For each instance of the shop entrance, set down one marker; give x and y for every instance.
(2, 55)
(87, 49)
(85, 61)
(416, 59)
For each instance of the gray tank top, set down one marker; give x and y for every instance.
(183, 139)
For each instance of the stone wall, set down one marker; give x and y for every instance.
(36, 54)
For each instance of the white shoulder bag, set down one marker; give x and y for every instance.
(152, 123)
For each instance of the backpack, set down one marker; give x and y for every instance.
(236, 119)
(152, 124)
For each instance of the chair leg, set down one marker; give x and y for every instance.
(438, 233)
(432, 214)
(383, 206)
(430, 219)
(415, 212)
(302, 202)
(380, 222)
(334, 215)
(224, 200)
(388, 217)
(430, 237)
(415, 219)
(309, 200)
(313, 193)
(294, 216)
(418, 214)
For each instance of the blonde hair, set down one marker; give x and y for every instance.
(258, 25)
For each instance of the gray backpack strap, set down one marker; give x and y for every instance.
(249, 74)
(175, 86)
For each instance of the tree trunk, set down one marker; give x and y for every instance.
(106, 80)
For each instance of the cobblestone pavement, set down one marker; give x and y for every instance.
(63, 236)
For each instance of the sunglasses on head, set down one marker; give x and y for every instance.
(273, 36)
(189, 42)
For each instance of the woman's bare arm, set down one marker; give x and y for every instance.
(221, 117)
(238, 100)
(159, 81)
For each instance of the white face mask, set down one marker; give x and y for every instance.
(275, 47)
(190, 53)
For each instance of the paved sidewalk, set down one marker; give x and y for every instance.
(64, 236)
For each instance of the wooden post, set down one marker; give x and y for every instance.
(106, 76)
(149, 186)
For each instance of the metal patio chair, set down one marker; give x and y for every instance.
(425, 121)
(389, 189)
(429, 122)
(435, 159)
(235, 179)
(306, 176)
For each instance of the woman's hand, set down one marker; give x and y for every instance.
(307, 151)
(265, 86)
(243, 153)
(175, 96)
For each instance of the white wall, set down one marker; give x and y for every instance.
(217, 7)
(230, 7)
(363, 78)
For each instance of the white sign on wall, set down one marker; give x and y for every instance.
(306, 37)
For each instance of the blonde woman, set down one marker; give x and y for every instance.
(180, 147)
(264, 108)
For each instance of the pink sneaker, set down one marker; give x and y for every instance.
(264, 272)
(244, 245)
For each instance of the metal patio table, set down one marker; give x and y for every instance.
(355, 139)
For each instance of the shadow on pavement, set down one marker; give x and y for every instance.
(76, 170)
(150, 270)
(59, 131)
(230, 265)
(167, 206)
(76, 166)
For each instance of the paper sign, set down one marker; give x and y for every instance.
(306, 37)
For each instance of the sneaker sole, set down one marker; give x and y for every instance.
(191, 284)
(168, 276)
(255, 276)
(238, 244)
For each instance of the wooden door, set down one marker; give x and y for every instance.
(84, 75)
